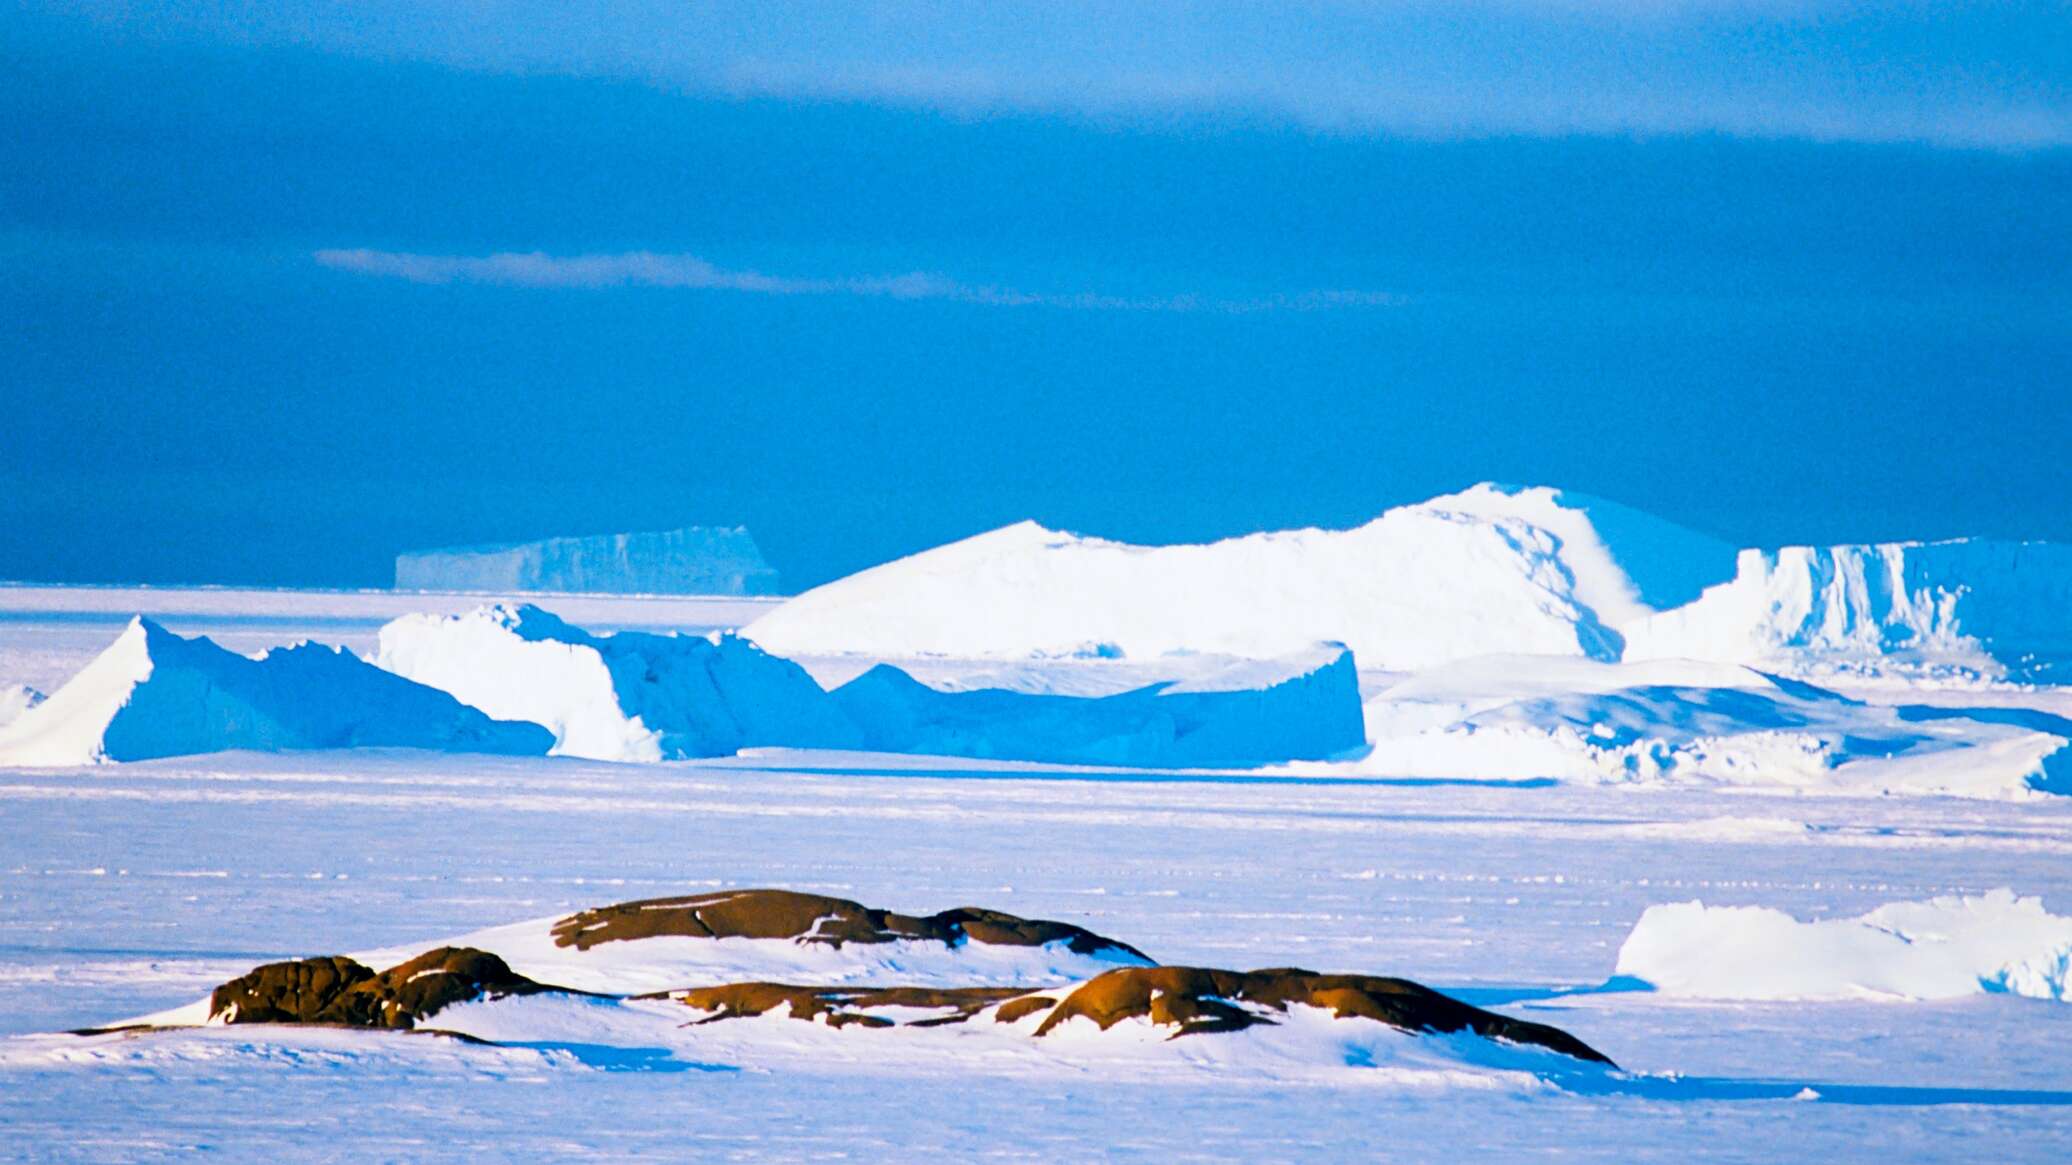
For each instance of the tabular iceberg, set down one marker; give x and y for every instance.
(153, 693)
(696, 560)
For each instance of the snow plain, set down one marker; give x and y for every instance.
(129, 888)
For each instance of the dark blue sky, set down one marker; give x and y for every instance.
(253, 331)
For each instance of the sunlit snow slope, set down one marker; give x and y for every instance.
(1490, 570)
(1486, 570)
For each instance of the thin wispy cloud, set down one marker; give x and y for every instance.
(1951, 75)
(538, 269)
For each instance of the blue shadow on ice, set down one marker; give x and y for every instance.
(612, 1058)
(1502, 996)
(1701, 1088)
(1145, 777)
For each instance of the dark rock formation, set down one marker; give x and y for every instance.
(842, 1006)
(338, 990)
(811, 918)
(1191, 1000)
(1196, 1000)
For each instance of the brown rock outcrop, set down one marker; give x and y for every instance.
(339, 990)
(1196, 1000)
(842, 1006)
(1191, 1000)
(813, 918)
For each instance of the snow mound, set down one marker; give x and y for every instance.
(631, 696)
(153, 693)
(1678, 721)
(696, 560)
(1533, 571)
(1998, 609)
(1304, 706)
(1939, 949)
(16, 699)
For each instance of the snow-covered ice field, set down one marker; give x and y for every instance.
(125, 889)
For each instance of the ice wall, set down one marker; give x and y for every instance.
(696, 560)
(2002, 609)
(1303, 707)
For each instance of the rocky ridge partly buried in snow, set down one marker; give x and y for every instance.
(446, 987)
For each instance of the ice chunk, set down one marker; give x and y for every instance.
(1945, 947)
(153, 693)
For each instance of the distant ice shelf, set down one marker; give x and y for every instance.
(696, 560)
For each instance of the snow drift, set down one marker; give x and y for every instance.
(2000, 609)
(631, 696)
(1676, 721)
(1304, 706)
(153, 693)
(1533, 571)
(16, 699)
(696, 560)
(1938, 949)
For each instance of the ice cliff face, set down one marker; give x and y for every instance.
(1303, 707)
(696, 560)
(2000, 609)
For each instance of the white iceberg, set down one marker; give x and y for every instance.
(153, 693)
(1994, 608)
(632, 696)
(1489, 570)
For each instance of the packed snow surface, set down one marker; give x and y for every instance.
(153, 693)
(629, 696)
(1938, 949)
(696, 560)
(16, 699)
(1681, 722)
